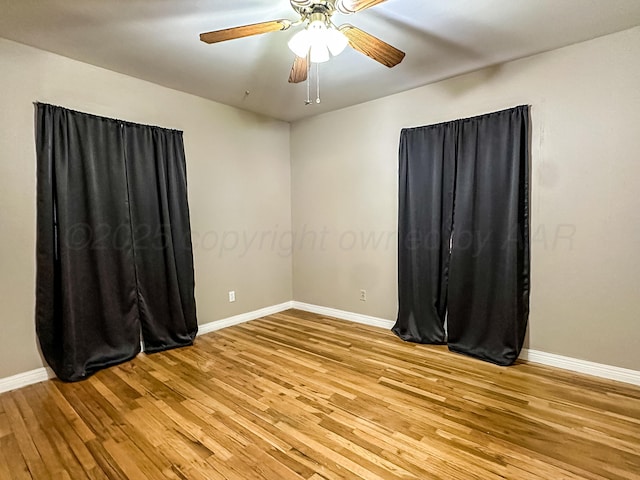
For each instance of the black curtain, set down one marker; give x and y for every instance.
(482, 281)
(427, 177)
(114, 251)
(157, 180)
(489, 280)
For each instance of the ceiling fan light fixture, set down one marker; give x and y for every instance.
(318, 39)
(336, 41)
(317, 25)
(317, 30)
(319, 53)
(300, 43)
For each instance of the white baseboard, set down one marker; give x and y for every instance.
(27, 378)
(44, 373)
(243, 317)
(343, 315)
(566, 363)
(582, 366)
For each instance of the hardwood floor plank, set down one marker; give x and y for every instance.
(4, 424)
(12, 462)
(122, 454)
(24, 441)
(299, 396)
(64, 434)
(54, 452)
(106, 463)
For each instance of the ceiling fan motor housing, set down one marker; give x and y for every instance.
(309, 8)
(318, 18)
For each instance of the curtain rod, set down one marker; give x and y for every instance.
(102, 117)
(470, 118)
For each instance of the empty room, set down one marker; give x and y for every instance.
(320, 239)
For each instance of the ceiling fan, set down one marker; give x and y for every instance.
(320, 36)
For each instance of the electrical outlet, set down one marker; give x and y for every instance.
(363, 295)
(232, 296)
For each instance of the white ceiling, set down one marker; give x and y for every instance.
(157, 40)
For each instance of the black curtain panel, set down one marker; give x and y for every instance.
(157, 179)
(95, 258)
(463, 240)
(489, 278)
(86, 305)
(427, 173)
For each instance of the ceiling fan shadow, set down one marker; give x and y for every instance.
(429, 51)
(422, 36)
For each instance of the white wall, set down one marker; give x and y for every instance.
(238, 174)
(585, 211)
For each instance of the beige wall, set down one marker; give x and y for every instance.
(585, 210)
(239, 183)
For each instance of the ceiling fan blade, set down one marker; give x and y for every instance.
(299, 70)
(353, 6)
(244, 31)
(372, 46)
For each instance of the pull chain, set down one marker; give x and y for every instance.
(308, 101)
(317, 83)
(317, 74)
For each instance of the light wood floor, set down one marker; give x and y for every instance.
(299, 396)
